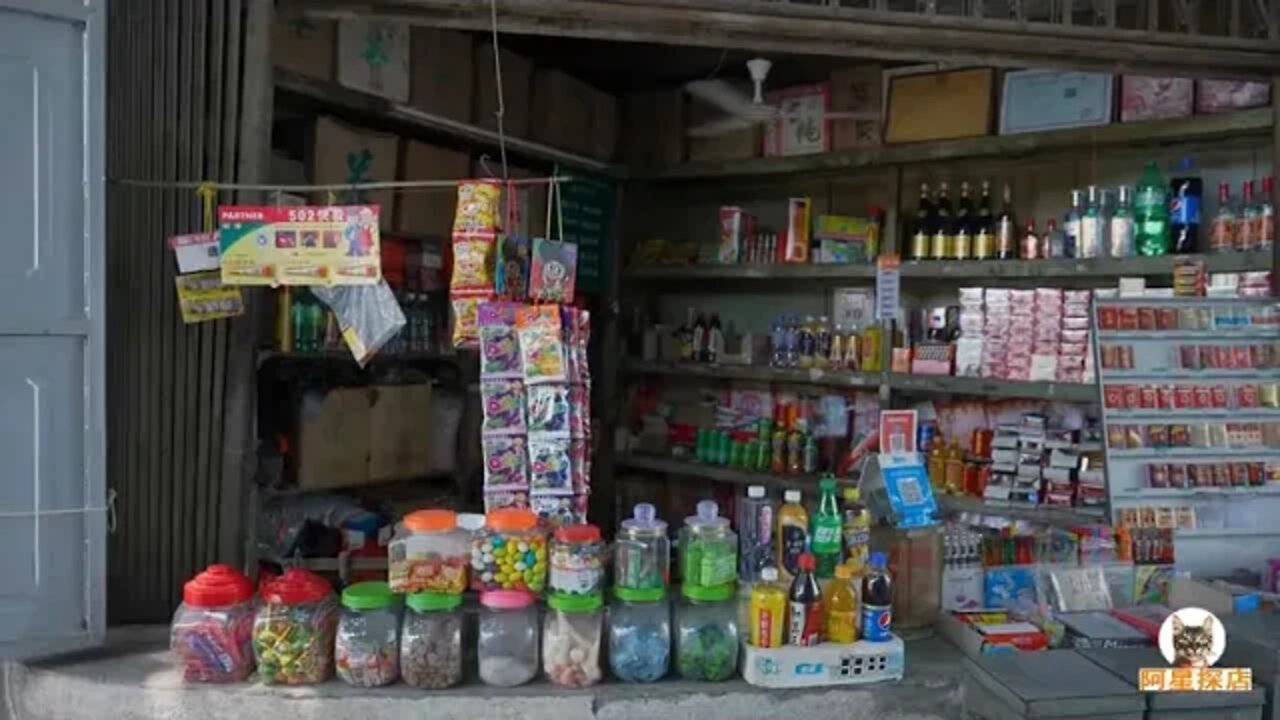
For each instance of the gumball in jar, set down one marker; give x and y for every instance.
(509, 552)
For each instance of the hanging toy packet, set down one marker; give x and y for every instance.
(479, 207)
(550, 467)
(505, 460)
(555, 267)
(511, 277)
(499, 348)
(542, 351)
(502, 403)
(549, 412)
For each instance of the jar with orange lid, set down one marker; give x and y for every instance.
(577, 560)
(509, 552)
(428, 554)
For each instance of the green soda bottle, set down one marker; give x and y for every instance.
(1151, 212)
(825, 538)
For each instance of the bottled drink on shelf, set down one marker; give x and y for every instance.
(940, 244)
(1006, 228)
(853, 350)
(795, 451)
(684, 338)
(1267, 211)
(822, 349)
(792, 336)
(755, 534)
(778, 450)
(877, 601)
(1029, 248)
(1053, 243)
(825, 543)
(1121, 229)
(715, 340)
(1184, 208)
(840, 604)
(835, 353)
(1070, 227)
(778, 342)
(984, 226)
(768, 611)
(962, 237)
(804, 619)
(808, 342)
(1093, 225)
(793, 533)
(922, 229)
(1151, 213)
(699, 342)
(1223, 231)
(855, 530)
(1248, 223)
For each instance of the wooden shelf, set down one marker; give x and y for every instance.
(343, 357)
(717, 473)
(777, 271)
(1046, 514)
(381, 112)
(1197, 128)
(986, 387)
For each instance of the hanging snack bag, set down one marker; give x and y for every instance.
(502, 499)
(473, 260)
(550, 467)
(511, 277)
(466, 320)
(542, 351)
(579, 411)
(499, 348)
(505, 462)
(548, 409)
(558, 511)
(555, 268)
(580, 464)
(502, 402)
(479, 207)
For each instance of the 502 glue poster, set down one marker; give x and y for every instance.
(271, 245)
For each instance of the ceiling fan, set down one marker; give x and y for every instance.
(742, 111)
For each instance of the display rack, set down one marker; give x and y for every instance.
(1209, 408)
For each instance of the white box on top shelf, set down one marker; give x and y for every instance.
(1041, 100)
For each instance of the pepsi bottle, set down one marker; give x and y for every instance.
(877, 600)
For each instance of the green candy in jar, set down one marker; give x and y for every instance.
(708, 548)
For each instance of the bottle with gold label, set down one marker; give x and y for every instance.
(872, 338)
(841, 607)
(954, 470)
(923, 226)
(937, 466)
(984, 226)
(940, 245)
(962, 237)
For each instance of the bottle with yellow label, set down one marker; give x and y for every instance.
(937, 466)
(842, 608)
(768, 610)
(955, 469)
(872, 337)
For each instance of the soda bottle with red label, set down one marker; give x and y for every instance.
(804, 611)
(877, 600)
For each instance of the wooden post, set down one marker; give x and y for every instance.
(604, 507)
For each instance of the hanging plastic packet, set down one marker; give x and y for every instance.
(502, 402)
(580, 464)
(502, 499)
(580, 411)
(505, 462)
(550, 467)
(577, 331)
(466, 320)
(473, 261)
(479, 207)
(542, 351)
(499, 347)
(554, 267)
(511, 277)
(559, 511)
(549, 409)
(368, 316)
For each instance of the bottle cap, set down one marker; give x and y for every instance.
(878, 559)
(827, 484)
(708, 516)
(806, 561)
(644, 517)
(511, 520)
(791, 496)
(755, 491)
(844, 572)
(431, 520)
(769, 574)
(852, 494)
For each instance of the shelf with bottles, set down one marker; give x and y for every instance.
(689, 467)
(307, 329)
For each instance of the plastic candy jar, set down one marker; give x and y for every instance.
(431, 641)
(642, 552)
(639, 635)
(577, 560)
(571, 639)
(507, 647)
(707, 633)
(509, 553)
(294, 628)
(212, 631)
(708, 549)
(366, 651)
(428, 553)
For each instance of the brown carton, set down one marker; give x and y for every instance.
(342, 154)
(305, 46)
(940, 106)
(517, 84)
(399, 432)
(857, 90)
(429, 212)
(442, 73)
(333, 441)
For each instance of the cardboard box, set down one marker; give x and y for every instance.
(442, 72)
(429, 212)
(732, 145)
(1042, 100)
(373, 57)
(803, 128)
(362, 435)
(857, 90)
(561, 113)
(940, 106)
(517, 86)
(605, 126)
(653, 125)
(304, 46)
(1214, 96)
(1217, 598)
(344, 154)
(399, 430)
(1155, 98)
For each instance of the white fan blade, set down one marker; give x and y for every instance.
(721, 95)
(720, 127)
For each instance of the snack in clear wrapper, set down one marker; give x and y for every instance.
(503, 499)
(368, 315)
(499, 345)
(553, 273)
(511, 276)
(549, 410)
(550, 467)
(473, 262)
(466, 316)
(579, 411)
(556, 511)
(580, 464)
(502, 402)
(505, 462)
(479, 206)
(542, 351)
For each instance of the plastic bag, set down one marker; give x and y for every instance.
(368, 315)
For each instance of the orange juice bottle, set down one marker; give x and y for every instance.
(955, 469)
(841, 608)
(793, 534)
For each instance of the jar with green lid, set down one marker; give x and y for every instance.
(707, 633)
(571, 638)
(642, 551)
(708, 549)
(431, 640)
(639, 635)
(366, 650)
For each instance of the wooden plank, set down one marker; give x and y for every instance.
(1275, 163)
(170, 323)
(1205, 127)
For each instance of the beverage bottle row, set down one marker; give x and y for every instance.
(700, 339)
(781, 449)
(814, 343)
(1249, 224)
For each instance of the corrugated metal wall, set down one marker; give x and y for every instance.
(175, 83)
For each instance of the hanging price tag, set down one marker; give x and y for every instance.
(888, 287)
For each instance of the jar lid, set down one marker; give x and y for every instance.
(371, 595)
(641, 595)
(506, 599)
(431, 520)
(511, 519)
(708, 517)
(296, 587)
(217, 586)
(708, 593)
(644, 521)
(575, 603)
(428, 601)
(581, 533)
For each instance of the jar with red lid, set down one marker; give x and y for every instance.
(293, 631)
(577, 560)
(211, 636)
(509, 552)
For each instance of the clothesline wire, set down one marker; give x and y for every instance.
(336, 187)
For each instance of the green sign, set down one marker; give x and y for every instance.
(587, 204)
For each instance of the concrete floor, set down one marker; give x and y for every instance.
(132, 679)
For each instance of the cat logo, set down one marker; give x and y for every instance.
(1192, 640)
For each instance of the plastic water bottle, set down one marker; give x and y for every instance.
(755, 534)
(778, 339)
(792, 342)
(877, 601)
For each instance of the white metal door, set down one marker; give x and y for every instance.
(52, 325)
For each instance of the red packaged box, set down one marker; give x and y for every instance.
(1127, 319)
(1240, 474)
(1178, 477)
(1204, 396)
(1200, 475)
(1221, 475)
(1208, 358)
(1222, 358)
(1132, 397)
(1240, 357)
(1165, 397)
(1108, 318)
(1184, 397)
(1167, 318)
(1247, 396)
(1147, 397)
(1189, 357)
(1146, 318)
(1158, 476)
(1257, 473)
(1219, 396)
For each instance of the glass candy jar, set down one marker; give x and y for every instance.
(366, 651)
(428, 554)
(211, 636)
(507, 647)
(431, 641)
(577, 560)
(294, 628)
(708, 549)
(571, 639)
(642, 552)
(639, 635)
(707, 633)
(509, 553)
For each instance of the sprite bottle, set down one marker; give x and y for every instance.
(825, 542)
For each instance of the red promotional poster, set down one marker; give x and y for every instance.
(280, 245)
(898, 431)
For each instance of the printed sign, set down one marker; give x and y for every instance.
(309, 245)
(203, 296)
(1192, 640)
(587, 204)
(898, 432)
(888, 287)
(197, 252)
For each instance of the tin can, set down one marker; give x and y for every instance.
(926, 436)
(980, 442)
(723, 447)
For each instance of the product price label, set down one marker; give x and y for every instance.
(203, 296)
(888, 287)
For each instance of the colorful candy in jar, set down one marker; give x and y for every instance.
(431, 641)
(429, 553)
(294, 629)
(366, 650)
(509, 553)
(211, 636)
(577, 560)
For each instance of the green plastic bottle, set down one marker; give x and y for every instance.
(825, 542)
(1151, 212)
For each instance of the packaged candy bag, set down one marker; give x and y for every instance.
(550, 467)
(558, 511)
(479, 206)
(542, 351)
(466, 317)
(502, 402)
(577, 332)
(511, 280)
(554, 270)
(580, 464)
(548, 410)
(501, 499)
(499, 347)
(579, 411)
(505, 462)
(473, 261)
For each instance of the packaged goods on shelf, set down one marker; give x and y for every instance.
(1144, 97)
(373, 57)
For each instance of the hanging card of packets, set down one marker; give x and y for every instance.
(202, 296)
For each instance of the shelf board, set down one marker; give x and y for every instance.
(1208, 453)
(1197, 128)
(1224, 532)
(774, 271)
(344, 357)
(718, 473)
(1214, 493)
(1181, 416)
(950, 384)
(755, 373)
(379, 111)
(1048, 515)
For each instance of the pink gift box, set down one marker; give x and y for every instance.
(1215, 96)
(1155, 98)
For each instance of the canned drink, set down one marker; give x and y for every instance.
(701, 444)
(723, 447)
(765, 429)
(925, 436)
